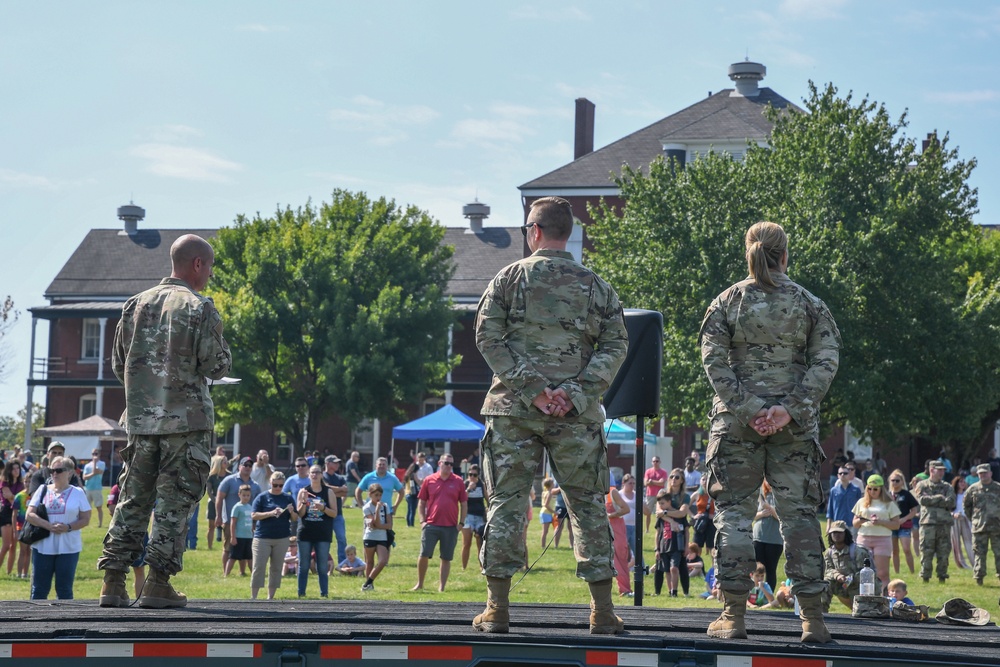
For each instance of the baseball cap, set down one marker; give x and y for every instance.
(836, 527)
(983, 467)
(245, 460)
(55, 443)
(937, 463)
(875, 480)
(332, 459)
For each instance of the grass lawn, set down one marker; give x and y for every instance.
(551, 580)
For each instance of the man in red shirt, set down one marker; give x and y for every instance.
(442, 509)
(655, 480)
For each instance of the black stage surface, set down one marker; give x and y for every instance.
(648, 629)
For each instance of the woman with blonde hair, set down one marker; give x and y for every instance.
(770, 350)
(216, 474)
(676, 513)
(909, 509)
(876, 515)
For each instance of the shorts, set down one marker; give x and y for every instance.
(650, 503)
(546, 517)
(431, 535)
(210, 512)
(878, 546)
(475, 523)
(374, 544)
(561, 512)
(243, 549)
(903, 532)
(95, 497)
(6, 516)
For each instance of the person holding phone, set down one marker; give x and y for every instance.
(273, 511)
(316, 506)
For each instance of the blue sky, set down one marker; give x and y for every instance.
(200, 111)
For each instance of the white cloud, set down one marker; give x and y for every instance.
(193, 164)
(505, 122)
(532, 13)
(384, 123)
(963, 97)
(813, 10)
(20, 179)
(174, 133)
(260, 27)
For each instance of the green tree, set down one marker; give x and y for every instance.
(12, 429)
(336, 311)
(881, 232)
(8, 317)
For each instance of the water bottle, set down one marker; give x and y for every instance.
(867, 575)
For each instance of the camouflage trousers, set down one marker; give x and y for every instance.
(935, 540)
(738, 461)
(980, 546)
(165, 473)
(512, 451)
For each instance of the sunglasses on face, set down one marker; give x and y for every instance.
(59, 470)
(301, 465)
(896, 480)
(278, 482)
(675, 477)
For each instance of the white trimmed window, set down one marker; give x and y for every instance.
(90, 347)
(363, 437)
(88, 405)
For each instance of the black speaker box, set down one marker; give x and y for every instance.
(636, 388)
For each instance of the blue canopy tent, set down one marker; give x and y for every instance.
(620, 433)
(444, 425)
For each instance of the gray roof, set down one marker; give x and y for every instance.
(716, 118)
(113, 265)
(110, 263)
(479, 257)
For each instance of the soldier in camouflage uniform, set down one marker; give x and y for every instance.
(771, 350)
(982, 505)
(937, 502)
(554, 335)
(169, 340)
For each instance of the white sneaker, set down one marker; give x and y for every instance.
(368, 587)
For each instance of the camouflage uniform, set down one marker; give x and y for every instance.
(169, 340)
(982, 506)
(937, 502)
(848, 562)
(762, 349)
(546, 321)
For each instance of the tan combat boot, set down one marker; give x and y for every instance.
(496, 617)
(811, 612)
(113, 591)
(731, 624)
(603, 620)
(158, 593)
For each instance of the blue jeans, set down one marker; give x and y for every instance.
(340, 532)
(43, 567)
(322, 563)
(411, 510)
(192, 534)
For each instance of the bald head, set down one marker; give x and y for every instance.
(191, 260)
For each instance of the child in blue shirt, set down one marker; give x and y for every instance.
(897, 592)
(241, 529)
(352, 566)
(761, 593)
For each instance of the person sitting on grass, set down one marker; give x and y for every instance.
(761, 594)
(291, 565)
(352, 566)
(897, 592)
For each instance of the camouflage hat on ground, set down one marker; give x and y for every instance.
(938, 463)
(870, 606)
(983, 467)
(836, 526)
(957, 611)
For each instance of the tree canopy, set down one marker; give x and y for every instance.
(338, 310)
(879, 230)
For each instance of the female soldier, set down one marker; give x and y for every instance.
(771, 350)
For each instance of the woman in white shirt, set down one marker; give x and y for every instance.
(68, 512)
(876, 515)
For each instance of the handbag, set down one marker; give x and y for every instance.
(31, 533)
(390, 536)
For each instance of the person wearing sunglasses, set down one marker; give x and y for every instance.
(553, 333)
(68, 511)
(770, 350)
(909, 508)
(876, 515)
(272, 511)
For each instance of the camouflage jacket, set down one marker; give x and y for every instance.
(766, 348)
(848, 562)
(937, 502)
(982, 505)
(168, 341)
(547, 320)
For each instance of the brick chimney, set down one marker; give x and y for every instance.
(583, 141)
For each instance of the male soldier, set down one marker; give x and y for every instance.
(937, 502)
(553, 333)
(982, 506)
(168, 341)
